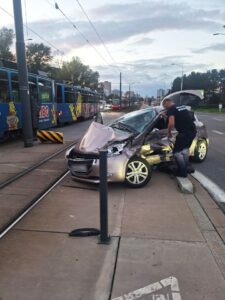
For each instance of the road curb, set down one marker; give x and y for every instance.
(213, 189)
(185, 185)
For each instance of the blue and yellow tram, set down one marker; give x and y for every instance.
(42, 102)
(51, 103)
(75, 103)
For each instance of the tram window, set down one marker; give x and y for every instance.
(15, 87)
(69, 95)
(32, 87)
(45, 91)
(91, 99)
(85, 98)
(4, 87)
(59, 93)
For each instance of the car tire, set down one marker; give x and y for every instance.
(201, 150)
(138, 172)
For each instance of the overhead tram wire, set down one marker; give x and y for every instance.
(100, 38)
(98, 35)
(83, 36)
(80, 32)
(34, 32)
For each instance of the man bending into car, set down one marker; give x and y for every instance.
(180, 118)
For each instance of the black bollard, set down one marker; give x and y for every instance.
(104, 237)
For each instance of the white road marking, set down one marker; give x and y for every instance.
(214, 190)
(220, 120)
(218, 132)
(155, 288)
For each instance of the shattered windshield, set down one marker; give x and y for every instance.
(136, 121)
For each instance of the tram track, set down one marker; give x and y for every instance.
(13, 178)
(21, 193)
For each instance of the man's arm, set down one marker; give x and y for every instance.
(170, 126)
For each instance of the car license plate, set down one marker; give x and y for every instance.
(80, 168)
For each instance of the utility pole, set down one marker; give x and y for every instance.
(182, 78)
(129, 95)
(120, 90)
(22, 75)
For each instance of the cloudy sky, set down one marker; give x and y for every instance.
(144, 38)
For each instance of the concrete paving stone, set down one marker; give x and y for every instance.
(217, 248)
(65, 209)
(203, 196)
(198, 213)
(12, 168)
(185, 185)
(221, 231)
(9, 190)
(5, 176)
(48, 266)
(10, 205)
(40, 148)
(69, 182)
(159, 212)
(37, 181)
(22, 157)
(216, 216)
(142, 262)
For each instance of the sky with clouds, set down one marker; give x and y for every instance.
(145, 38)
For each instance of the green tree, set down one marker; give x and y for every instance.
(6, 40)
(78, 73)
(38, 57)
(212, 82)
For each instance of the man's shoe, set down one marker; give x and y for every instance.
(179, 174)
(190, 170)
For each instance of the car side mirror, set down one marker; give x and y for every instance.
(98, 118)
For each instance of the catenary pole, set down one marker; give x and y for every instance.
(23, 76)
(120, 89)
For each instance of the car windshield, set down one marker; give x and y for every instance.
(136, 121)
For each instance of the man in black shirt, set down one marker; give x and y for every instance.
(180, 118)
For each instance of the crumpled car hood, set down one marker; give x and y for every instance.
(99, 136)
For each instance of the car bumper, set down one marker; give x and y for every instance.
(88, 170)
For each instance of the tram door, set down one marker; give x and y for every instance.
(35, 107)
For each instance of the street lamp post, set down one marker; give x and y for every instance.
(182, 74)
(129, 91)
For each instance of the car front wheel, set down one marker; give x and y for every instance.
(138, 172)
(201, 150)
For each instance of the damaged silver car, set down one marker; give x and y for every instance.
(135, 142)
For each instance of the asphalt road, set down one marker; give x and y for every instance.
(214, 165)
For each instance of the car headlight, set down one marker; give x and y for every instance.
(116, 149)
(67, 154)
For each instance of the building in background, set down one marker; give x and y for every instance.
(106, 87)
(160, 95)
(116, 92)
